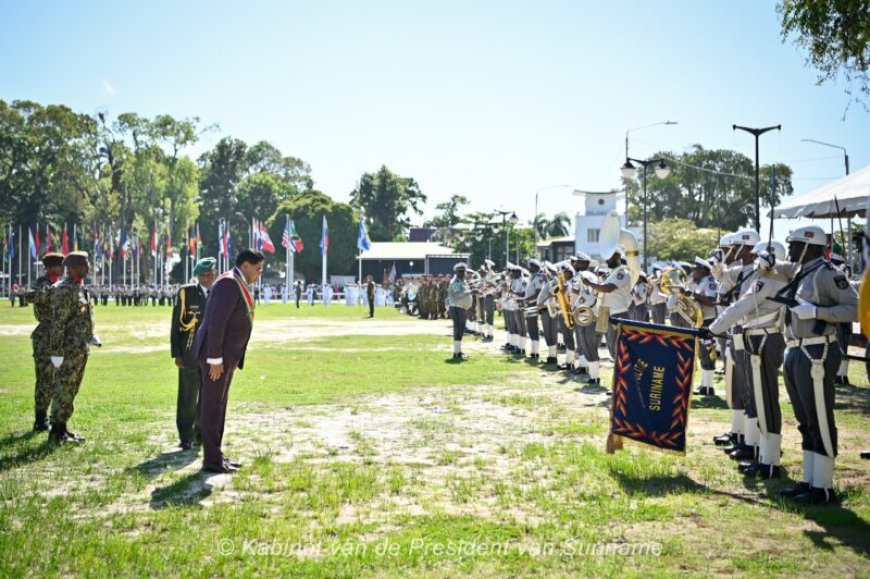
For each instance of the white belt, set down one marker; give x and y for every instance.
(762, 320)
(761, 331)
(812, 341)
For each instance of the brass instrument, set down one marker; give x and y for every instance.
(674, 282)
(562, 297)
(582, 312)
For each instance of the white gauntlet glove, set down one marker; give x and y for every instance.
(804, 311)
(95, 341)
(56, 361)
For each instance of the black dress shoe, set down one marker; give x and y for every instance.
(768, 471)
(817, 496)
(551, 360)
(222, 469)
(185, 445)
(41, 426)
(747, 467)
(865, 454)
(580, 370)
(460, 356)
(744, 452)
(594, 382)
(729, 438)
(705, 391)
(534, 356)
(231, 463)
(796, 490)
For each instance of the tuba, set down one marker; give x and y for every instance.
(613, 236)
(583, 310)
(674, 282)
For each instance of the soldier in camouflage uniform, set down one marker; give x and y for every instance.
(442, 297)
(40, 294)
(72, 334)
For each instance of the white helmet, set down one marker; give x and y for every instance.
(775, 247)
(811, 235)
(617, 249)
(748, 237)
(726, 240)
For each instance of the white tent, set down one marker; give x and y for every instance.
(851, 192)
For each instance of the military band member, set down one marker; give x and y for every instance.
(71, 335)
(615, 294)
(576, 361)
(488, 297)
(587, 337)
(656, 299)
(186, 315)
(819, 298)
(639, 310)
(761, 319)
(459, 301)
(533, 287)
(40, 295)
(548, 306)
(704, 289)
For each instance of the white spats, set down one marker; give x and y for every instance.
(551, 351)
(773, 449)
(535, 346)
(823, 472)
(809, 463)
(753, 434)
(737, 421)
(706, 378)
(457, 347)
(593, 370)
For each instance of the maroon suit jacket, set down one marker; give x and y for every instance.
(225, 329)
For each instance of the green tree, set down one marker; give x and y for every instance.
(386, 200)
(307, 211)
(680, 239)
(836, 36)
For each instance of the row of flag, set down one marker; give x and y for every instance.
(105, 244)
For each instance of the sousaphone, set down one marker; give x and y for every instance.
(613, 235)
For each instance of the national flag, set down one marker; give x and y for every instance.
(36, 239)
(64, 243)
(48, 236)
(255, 234)
(197, 243)
(291, 239)
(31, 244)
(123, 243)
(393, 272)
(11, 243)
(97, 244)
(6, 241)
(221, 239)
(363, 243)
(324, 238)
(75, 238)
(154, 240)
(226, 242)
(111, 245)
(265, 242)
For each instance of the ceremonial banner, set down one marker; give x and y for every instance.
(652, 385)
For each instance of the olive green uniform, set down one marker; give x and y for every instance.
(40, 294)
(187, 313)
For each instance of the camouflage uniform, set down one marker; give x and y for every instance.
(41, 296)
(71, 333)
(442, 298)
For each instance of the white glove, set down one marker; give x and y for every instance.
(57, 361)
(95, 341)
(765, 262)
(717, 269)
(672, 302)
(804, 311)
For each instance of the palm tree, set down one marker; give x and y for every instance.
(559, 226)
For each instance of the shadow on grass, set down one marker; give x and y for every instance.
(187, 491)
(851, 397)
(663, 485)
(167, 461)
(27, 453)
(708, 402)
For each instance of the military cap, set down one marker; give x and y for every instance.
(75, 258)
(52, 259)
(204, 264)
(701, 262)
(580, 256)
(459, 266)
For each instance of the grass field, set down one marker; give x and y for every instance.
(368, 452)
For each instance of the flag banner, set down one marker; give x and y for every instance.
(37, 240)
(324, 238)
(64, 243)
(31, 244)
(264, 242)
(652, 385)
(363, 243)
(154, 240)
(296, 244)
(393, 272)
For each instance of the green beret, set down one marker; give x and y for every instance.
(75, 258)
(204, 264)
(52, 259)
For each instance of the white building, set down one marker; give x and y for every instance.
(588, 221)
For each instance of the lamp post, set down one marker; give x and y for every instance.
(629, 171)
(845, 154)
(536, 208)
(757, 133)
(504, 219)
(631, 130)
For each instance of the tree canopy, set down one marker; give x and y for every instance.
(387, 201)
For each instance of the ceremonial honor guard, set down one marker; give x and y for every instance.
(370, 295)
(818, 297)
(488, 293)
(71, 335)
(533, 288)
(587, 336)
(745, 437)
(187, 313)
(575, 338)
(40, 295)
(761, 319)
(459, 300)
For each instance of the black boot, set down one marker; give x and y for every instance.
(729, 438)
(41, 423)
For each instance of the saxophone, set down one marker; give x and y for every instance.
(562, 297)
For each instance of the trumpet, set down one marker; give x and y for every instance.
(674, 282)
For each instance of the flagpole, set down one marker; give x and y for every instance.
(29, 258)
(20, 252)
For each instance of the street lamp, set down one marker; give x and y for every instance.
(536, 208)
(757, 133)
(627, 132)
(504, 219)
(845, 154)
(629, 171)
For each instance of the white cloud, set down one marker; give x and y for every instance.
(108, 88)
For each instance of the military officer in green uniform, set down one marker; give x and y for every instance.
(187, 313)
(40, 295)
(71, 335)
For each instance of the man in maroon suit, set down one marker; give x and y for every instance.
(220, 345)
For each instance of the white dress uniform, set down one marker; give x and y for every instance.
(616, 302)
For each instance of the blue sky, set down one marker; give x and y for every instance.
(492, 100)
